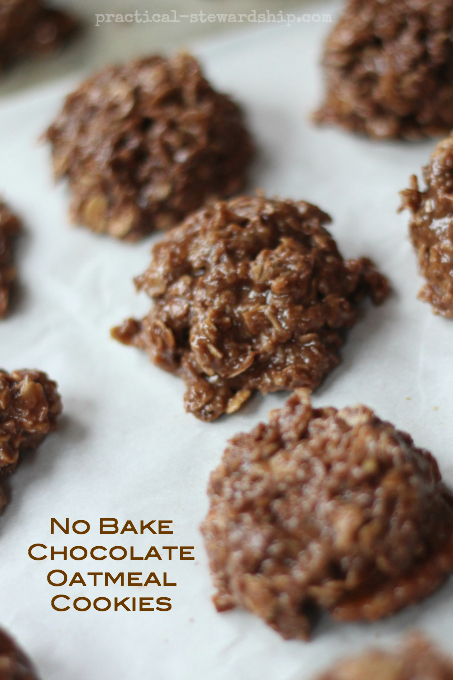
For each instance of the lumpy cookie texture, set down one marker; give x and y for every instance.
(389, 69)
(29, 408)
(145, 144)
(417, 659)
(10, 227)
(326, 510)
(14, 664)
(431, 227)
(250, 294)
(31, 28)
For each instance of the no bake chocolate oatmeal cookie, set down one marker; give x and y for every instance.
(14, 664)
(31, 28)
(145, 144)
(389, 69)
(431, 227)
(29, 408)
(10, 227)
(417, 659)
(328, 510)
(250, 294)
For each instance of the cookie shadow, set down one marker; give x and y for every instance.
(17, 298)
(369, 335)
(274, 139)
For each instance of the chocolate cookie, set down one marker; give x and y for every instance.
(14, 664)
(418, 659)
(389, 69)
(10, 227)
(249, 295)
(145, 144)
(431, 227)
(29, 407)
(31, 28)
(326, 510)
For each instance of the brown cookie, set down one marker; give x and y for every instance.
(249, 295)
(29, 408)
(417, 659)
(431, 227)
(145, 144)
(10, 227)
(326, 510)
(29, 28)
(389, 69)
(14, 664)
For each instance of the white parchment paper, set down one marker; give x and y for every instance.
(127, 449)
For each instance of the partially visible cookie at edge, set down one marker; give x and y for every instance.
(416, 659)
(431, 227)
(10, 228)
(29, 407)
(388, 68)
(14, 663)
(30, 28)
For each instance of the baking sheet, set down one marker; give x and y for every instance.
(126, 448)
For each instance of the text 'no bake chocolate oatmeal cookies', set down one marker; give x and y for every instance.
(29, 408)
(147, 143)
(389, 69)
(326, 510)
(250, 294)
(431, 227)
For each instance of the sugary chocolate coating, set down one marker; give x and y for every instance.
(431, 227)
(248, 295)
(29, 407)
(389, 69)
(417, 659)
(328, 510)
(10, 227)
(145, 144)
(14, 664)
(31, 28)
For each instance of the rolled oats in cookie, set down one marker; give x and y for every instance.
(147, 143)
(326, 510)
(250, 294)
(14, 664)
(10, 227)
(389, 69)
(31, 28)
(29, 408)
(417, 659)
(431, 227)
